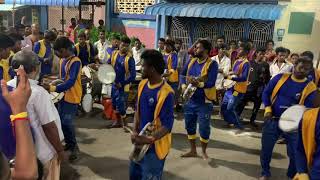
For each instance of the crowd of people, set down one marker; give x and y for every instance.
(275, 77)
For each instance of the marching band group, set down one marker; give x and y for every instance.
(203, 76)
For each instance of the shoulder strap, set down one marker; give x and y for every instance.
(310, 87)
(114, 57)
(241, 66)
(206, 67)
(43, 49)
(163, 93)
(140, 89)
(308, 133)
(77, 49)
(192, 61)
(278, 86)
(126, 63)
(317, 76)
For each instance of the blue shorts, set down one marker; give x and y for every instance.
(119, 99)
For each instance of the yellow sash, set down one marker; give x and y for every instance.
(308, 133)
(162, 145)
(310, 87)
(74, 94)
(317, 76)
(88, 50)
(5, 64)
(126, 66)
(211, 93)
(241, 87)
(43, 49)
(174, 77)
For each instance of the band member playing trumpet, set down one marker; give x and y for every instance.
(155, 104)
(70, 73)
(199, 107)
(234, 95)
(282, 91)
(124, 66)
(43, 49)
(307, 152)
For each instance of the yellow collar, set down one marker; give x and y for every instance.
(154, 86)
(298, 80)
(202, 61)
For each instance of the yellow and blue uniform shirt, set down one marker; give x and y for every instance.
(197, 69)
(123, 76)
(110, 50)
(171, 60)
(85, 53)
(44, 50)
(315, 77)
(155, 104)
(6, 72)
(290, 93)
(71, 75)
(308, 145)
(242, 69)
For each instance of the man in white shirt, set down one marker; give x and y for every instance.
(137, 50)
(280, 65)
(224, 65)
(26, 42)
(102, 46)
(44, 118)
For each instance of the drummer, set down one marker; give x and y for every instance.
(124, 66)
(115, 41)
(234, 95)
(284, 90)
(171, 59)
(43, 49)
(307, 152)
(199, 108)
(84, 50)
(151, 166)
(70, 72)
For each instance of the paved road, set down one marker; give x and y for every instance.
(104, 154)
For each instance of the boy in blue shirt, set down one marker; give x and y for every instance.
(84, 50)
(155, 104)
(284, 90)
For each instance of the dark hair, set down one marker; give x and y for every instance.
(154, 59)
(308, 54)
(206, 44)
(73, 19)
(288, 51)
(169, 42)
(102, 31)
(294, 54)
(101, 21)
(126, 40)
(233, 41)
(162, 40)
(261, 49)
(281, 49)
(115, 37)
(82, 35)
(50, 35)
(221, 37)
(304, 60)
(246, 47)
(137, 40)
(242, 40)
(250, 40)
(269, 41)
(63, 42)
(222, 46)
(6, 41)
(178, 41)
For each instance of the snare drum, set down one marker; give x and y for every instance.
(290, 119)
(53, 80)
(227, 83)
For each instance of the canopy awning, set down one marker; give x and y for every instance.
(217, 10)
(9, 7)
(66, 3)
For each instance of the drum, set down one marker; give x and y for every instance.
(227, 83)
(53, 80)
(87, 103)
(138, 151)
(290, 119)
(106, 74)
(188, 93)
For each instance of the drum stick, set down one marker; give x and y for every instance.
(128, 129)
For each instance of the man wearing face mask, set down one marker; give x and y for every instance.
(44, 118)
(284, 90)
(43, 49)
(124, 66)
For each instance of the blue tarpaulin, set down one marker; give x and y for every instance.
(66, 3)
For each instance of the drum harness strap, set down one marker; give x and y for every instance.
(126, 65)
(239, 85)
(88, 49)
(310, 87)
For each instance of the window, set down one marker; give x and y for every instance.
(132, 6)
(301, 22)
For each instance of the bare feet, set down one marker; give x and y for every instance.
(263, 178)
(190, 154)
(205, 156)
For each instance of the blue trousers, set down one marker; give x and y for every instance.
(229, 108)
(67, 112)
(149, 168)
(200, 113)
(119, 99)
(270, 135)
